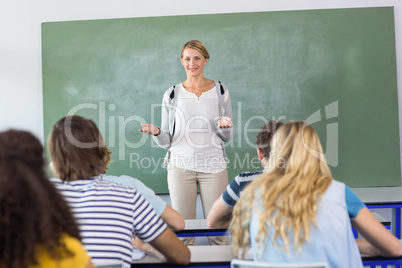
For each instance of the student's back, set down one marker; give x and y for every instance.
(37, 228)
(109, 214)
(331, 241)
(296, 212)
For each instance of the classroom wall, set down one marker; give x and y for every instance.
(20, 39)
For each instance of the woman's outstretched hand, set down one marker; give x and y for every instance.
(150, 129)
(225, 122)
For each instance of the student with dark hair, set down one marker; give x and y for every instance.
(37, 228)
(220, 214)
(109, 213)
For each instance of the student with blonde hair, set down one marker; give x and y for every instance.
(297, 213)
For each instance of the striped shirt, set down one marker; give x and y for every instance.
(232, 193)
(108, 215)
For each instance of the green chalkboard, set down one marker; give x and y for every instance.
(334, 68)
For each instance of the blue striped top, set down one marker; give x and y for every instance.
(237, 185)
(232, 193)
(108, 215)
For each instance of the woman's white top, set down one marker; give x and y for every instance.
(196, 145)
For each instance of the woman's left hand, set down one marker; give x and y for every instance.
(225, 122)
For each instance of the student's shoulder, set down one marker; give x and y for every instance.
(111, 184)
(55, 180)
(102, 184)
(336, 189)
(244, 178)
(247, 175)
(123, 180)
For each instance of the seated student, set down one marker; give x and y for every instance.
(109, 214)
(296, 212)
(220, 214)
(37, 228)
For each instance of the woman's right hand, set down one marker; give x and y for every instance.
(150, 129)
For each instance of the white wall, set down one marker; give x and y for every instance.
(20, 39)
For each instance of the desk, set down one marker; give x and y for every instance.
(384, 197)
(220, 257)
(199, 227)
(383, 261)
(201, 256)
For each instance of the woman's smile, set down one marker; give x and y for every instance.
(193, 61)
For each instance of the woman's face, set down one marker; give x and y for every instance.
(193, 62)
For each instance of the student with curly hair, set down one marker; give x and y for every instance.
(37, 228)
(296, 212)
(109, 213)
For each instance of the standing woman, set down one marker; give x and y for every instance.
(196, 121)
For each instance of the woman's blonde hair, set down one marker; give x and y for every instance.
(77, 149)
(197, 45)
(289, 192)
